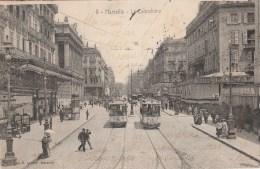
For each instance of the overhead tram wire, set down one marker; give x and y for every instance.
(153, 21)
(100, 29)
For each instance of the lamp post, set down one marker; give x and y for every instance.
(46, 124)
(131, 111)
(10, 158)
(231, 130)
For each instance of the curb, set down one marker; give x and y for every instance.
(229, 145)
(59, 142)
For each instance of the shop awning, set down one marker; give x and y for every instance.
(221, 74)
(39, 70)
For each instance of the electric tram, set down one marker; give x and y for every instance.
(150, 113)
(118, 113)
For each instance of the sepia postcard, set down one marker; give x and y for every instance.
(129, 84)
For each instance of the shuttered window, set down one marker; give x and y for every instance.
(234, 37)
(245, 37)
(233, 18)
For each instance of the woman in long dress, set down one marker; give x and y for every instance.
(224, 128)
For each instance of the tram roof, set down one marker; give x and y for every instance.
(150, 102)
(117, 102)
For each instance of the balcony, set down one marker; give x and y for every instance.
(250, 43)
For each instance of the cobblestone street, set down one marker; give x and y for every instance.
(175, 145)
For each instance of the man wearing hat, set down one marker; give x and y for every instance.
(83, 138)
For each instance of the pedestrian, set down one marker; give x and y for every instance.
(19, 128)
(87, 114)
(92, 103)
(224, 128)
(40, 115)
(195, 114)
(83, 137)
(213, 115)
(88, 132)
(205, 115)
(199, 118)
(189, 110)
(218, 128)
(45, 145)
(61, 114)
(51, 122)
(85, 104)
(217, 117)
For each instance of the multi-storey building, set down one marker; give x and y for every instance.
(69, 56)
(111, 81)
(221, 32)
(168, 66)
(138, 82)
(30, 29)
(96, 74)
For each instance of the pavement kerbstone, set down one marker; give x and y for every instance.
(244, 149)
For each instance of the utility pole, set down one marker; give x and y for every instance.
(231, 130)
(46, 124)
(131, 111)
(10, 158)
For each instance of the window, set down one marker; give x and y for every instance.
(17, 11)
(24, 44)
(36, 51)
(234, 59)
(23, 15)
(41, 28)
(234, 18)
(11, 9)
(249, 17)
(18, 41)
(234, 36)
(49, 57)
(30, 47)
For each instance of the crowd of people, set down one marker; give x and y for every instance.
(244, 117)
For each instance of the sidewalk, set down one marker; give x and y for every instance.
(244, 146)
(245, 143)
(28, 147)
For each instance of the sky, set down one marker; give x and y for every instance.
(126, 43)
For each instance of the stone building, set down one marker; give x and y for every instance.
(167, 67)
(96, 74)
(111, 81)
(30, 29)
(69, 56)
(221, 31)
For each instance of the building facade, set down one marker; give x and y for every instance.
(111, 81)
(166, 68)
(69, 56)
(96, 74)
(30, 29)
(221, 32)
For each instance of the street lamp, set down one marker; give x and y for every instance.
(131, 111)
(46, 124)
(231, 122)
(10, 158)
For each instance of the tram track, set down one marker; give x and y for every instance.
(158, 158)
(121, 158)
(184, 163)
(98, 160)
